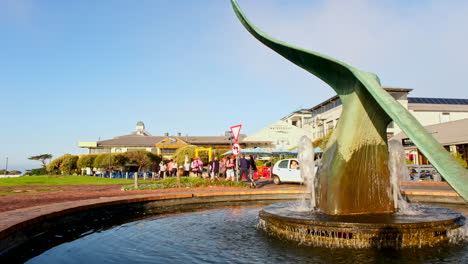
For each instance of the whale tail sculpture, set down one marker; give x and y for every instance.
(354, 177)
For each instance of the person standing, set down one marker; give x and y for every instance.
(194, 166)
(162, 170)
(222, 167)
(200, 167)
(244, 166)
(230, 174)
(214, 168)
(169, 168)
(187, 168)
(174, 168)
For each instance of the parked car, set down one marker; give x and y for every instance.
(287, 170)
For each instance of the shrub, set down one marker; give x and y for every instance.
(38, 171)
(86, 161)
(186, 182)
(68, 164)
(54, 165)
(460, 159)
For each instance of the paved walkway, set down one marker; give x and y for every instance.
(437, 190)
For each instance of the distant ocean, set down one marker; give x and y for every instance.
(9, 176)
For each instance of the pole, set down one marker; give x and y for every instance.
(110, 157)
(6, 167)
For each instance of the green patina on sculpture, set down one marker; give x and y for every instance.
(354, 178)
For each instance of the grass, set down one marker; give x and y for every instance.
(18, 191)
(186, 182)
(48, 180)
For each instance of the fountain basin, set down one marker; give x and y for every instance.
(429, 226)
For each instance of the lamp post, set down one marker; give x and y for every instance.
(110, 157)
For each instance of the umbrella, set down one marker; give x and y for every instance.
(227, 153)
(257, 151)
(281, 151)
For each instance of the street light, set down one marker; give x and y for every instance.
(6, 167)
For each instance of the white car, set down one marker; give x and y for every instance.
(287, 170)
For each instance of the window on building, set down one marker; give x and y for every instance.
(329, 125)
(168, 151)
(294, 123)
(445, 117)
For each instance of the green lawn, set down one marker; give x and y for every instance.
(62, 180)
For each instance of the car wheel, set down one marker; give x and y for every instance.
(276, 180)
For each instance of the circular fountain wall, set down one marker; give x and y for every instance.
(428, 226)
(223, 234)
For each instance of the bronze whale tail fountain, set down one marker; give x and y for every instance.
(354, 207)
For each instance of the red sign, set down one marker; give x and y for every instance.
(235, 130)
(236, 149)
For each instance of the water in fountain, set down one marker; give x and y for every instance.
(414, 225)
(307, 164)
(398, 172)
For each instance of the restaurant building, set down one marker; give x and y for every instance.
(165, 145)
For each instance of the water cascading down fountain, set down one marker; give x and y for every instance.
(354, 205)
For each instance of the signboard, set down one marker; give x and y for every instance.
(235, 130)
(406, 142)
(236, 149)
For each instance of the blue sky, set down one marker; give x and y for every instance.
(83, 70)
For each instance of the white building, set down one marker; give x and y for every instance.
(453, 135)
(280, 134)
(323, 117)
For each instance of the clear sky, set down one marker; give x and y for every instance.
(82, 70)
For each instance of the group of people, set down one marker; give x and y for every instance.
(232, 170)
(227, 168)
(168, 168)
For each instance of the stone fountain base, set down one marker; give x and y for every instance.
(427, 225)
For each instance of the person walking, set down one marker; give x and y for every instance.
(244, 166)
(253, 170)
(214, 168)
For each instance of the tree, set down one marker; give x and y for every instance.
(140, 158)
(322, 141)
(13, 172)
(179, 155)
(42, 158)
